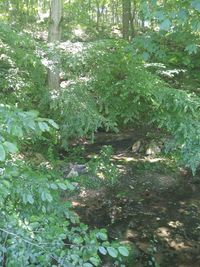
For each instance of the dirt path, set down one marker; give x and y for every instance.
(154, 208)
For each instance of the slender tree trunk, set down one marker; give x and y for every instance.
(98, 14)
(132, 21)
(56, 10)
(126, 18)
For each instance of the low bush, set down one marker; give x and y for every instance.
(38, 227)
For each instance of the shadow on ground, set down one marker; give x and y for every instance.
(154, 209)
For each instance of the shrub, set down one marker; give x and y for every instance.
(37, 226)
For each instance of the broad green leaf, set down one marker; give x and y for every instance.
(102, 236)
(112, 252)
(78, 240)
(49, 197)
(33, 113)
(46, 196)
(191, 49)
(102, 250)
(17, 131)
(43, 126)
(196, 4)
(31, 124)
(43, 196)
(123, 251)
(24, 198)
(87, 264)
(55, 125)
(2, 153)
(165, 25)
(30, 199)
(62, 186)
(95, 261)
(53, 186)
(160, 15)
(145, 56)
(10, 147)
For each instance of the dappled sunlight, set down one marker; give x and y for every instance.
(171, 73)
(125, 158)
(177, 243)
(175, 224)
(79, 32)
(122, 157)
(70, 47)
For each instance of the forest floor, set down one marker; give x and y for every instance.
(154, 208)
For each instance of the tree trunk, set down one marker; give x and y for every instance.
(98, 15)
(56, 10)
(132, 21)
(126, 18)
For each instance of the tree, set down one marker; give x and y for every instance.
(126, 18)
(54, 36)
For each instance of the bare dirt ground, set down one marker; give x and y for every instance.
(154, 208)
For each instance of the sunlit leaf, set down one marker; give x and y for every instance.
(55, 125)
(30, 198)
(102, 236)
(191, 48)
(10, 147)
(196, 5)
(112, 252)
(123, 251)
(43, 126)
(95, 261)
(62, 186)
(165, 25)
(2, 153)
(102, 250)
(87, 264)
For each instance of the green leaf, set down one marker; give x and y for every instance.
(78, 240)
(165, 25)
(191, 49)
(196, 4)
(160, 15)
(31, 124)
(87, 264)
(43, 196)
(43, 126)
(95, 261)
(10, 147)
(53, 186)
(123, 251)
(112, 252)
(49, 197)
(62, 186)
(145, 56)
(102, 250)
(55, 125)
(17, 131)
(33, 113)
(2, 153)
(102, 236)
(30, 199)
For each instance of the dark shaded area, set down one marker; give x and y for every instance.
(155, 208)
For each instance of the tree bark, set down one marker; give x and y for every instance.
(56, 10)
(126, 18)
(54, 36)
(98, 14)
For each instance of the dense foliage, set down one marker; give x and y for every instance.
(37, 228)
(106, 85)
